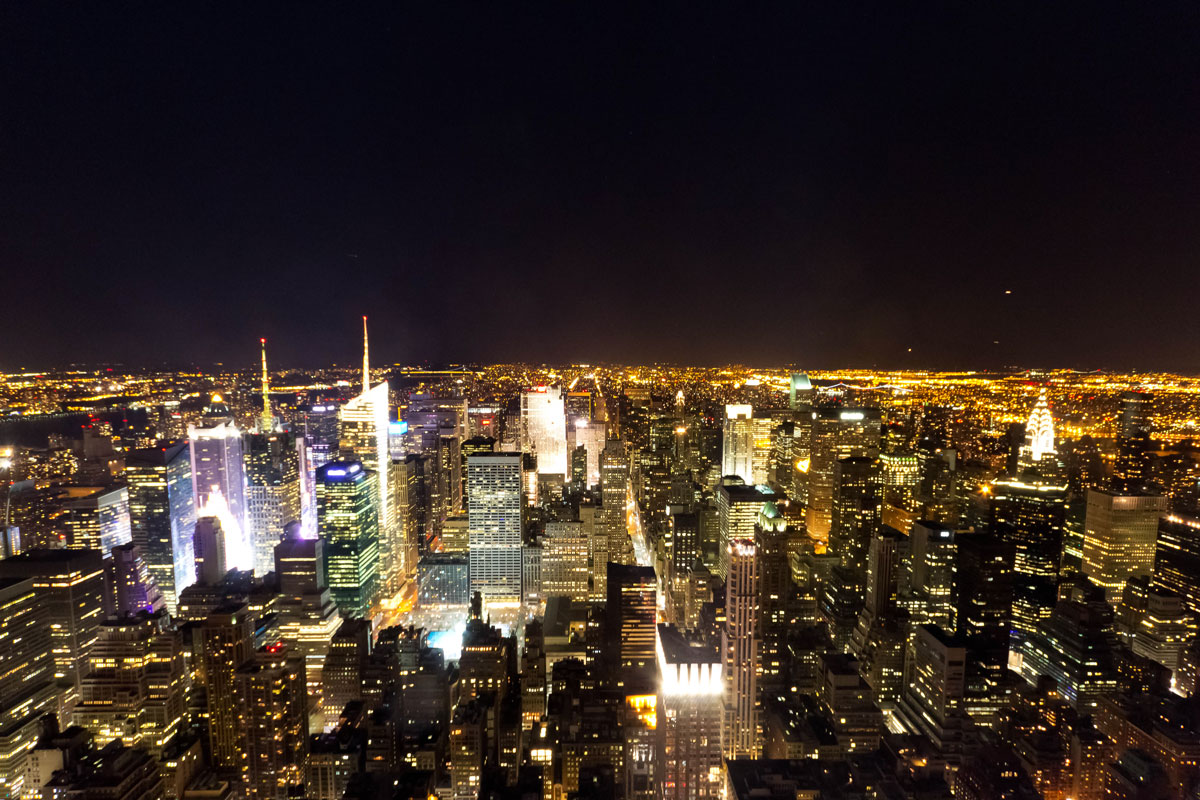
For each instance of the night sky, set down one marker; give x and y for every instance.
(823, 184)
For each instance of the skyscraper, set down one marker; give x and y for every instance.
(1131, 470)
(209, 547)
(857, 509)
(70, 584)
(837, 433)
(1177, 559)
(931, 575)
(219, 479)
(27, 689)
(737, 442)
(1120, 534)
(227, 640)
(614, 489)
(99, 520)
(544, 429)
(495, 525)
(738, 508)
(308, 617)
(162, 514)
(1030, 518)
(631, 618)
(364, 439)
(740, 735)
(272, 492)
(691, 689)
(1038, 452)
(348, 521)
(272, 723)
(565, 561)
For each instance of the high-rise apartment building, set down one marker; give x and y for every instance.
(272, 723)
(1119, 539)
(348, 522)
(162, 514)
(226, 642)
(495, 525)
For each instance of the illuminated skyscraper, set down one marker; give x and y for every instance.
(27, 689)
(494, 514)
(348, 522)
(738, 508)
(219, 479)
(272, 492)
(1030, 518)
(931, 574)
(631, 618)
(800, 391)
(614, 489)
(837, 433)
(135, 687)
(1177, 559)
(1120, 534)
(226, 641)
(272, 723)
(857, 509)
(162, 515)
(1074, 646)
(737, 443)
(565, 561)
(544, 429)
(308, 617)
(689, 720)
(1131, 469)
(70, 583)
(364, 438)
(740, 735)
(935, 672)
(99, 520)
(1038, 451)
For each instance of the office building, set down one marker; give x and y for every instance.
(935, 672)
(933, 549)
(837, 433)
(1177, 559)
(631, 617)
(307, 615)
(738, 509)
(565, 569)
(99, 520)
(737, 443)
(856, 511)
(27, 683)
(544, 429)
(348, 522)
(273, 490)
(134, 588)
(1074, 646)
(162, 514)
(740, 727)
(1120, 535)
(219, 479)
(364, 427)
(691, 708)
(443, 580)
(208, 543)
(135, 687)
(70, 583)
(495, 524)
(1030, 518)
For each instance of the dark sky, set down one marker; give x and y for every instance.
(828, 184)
